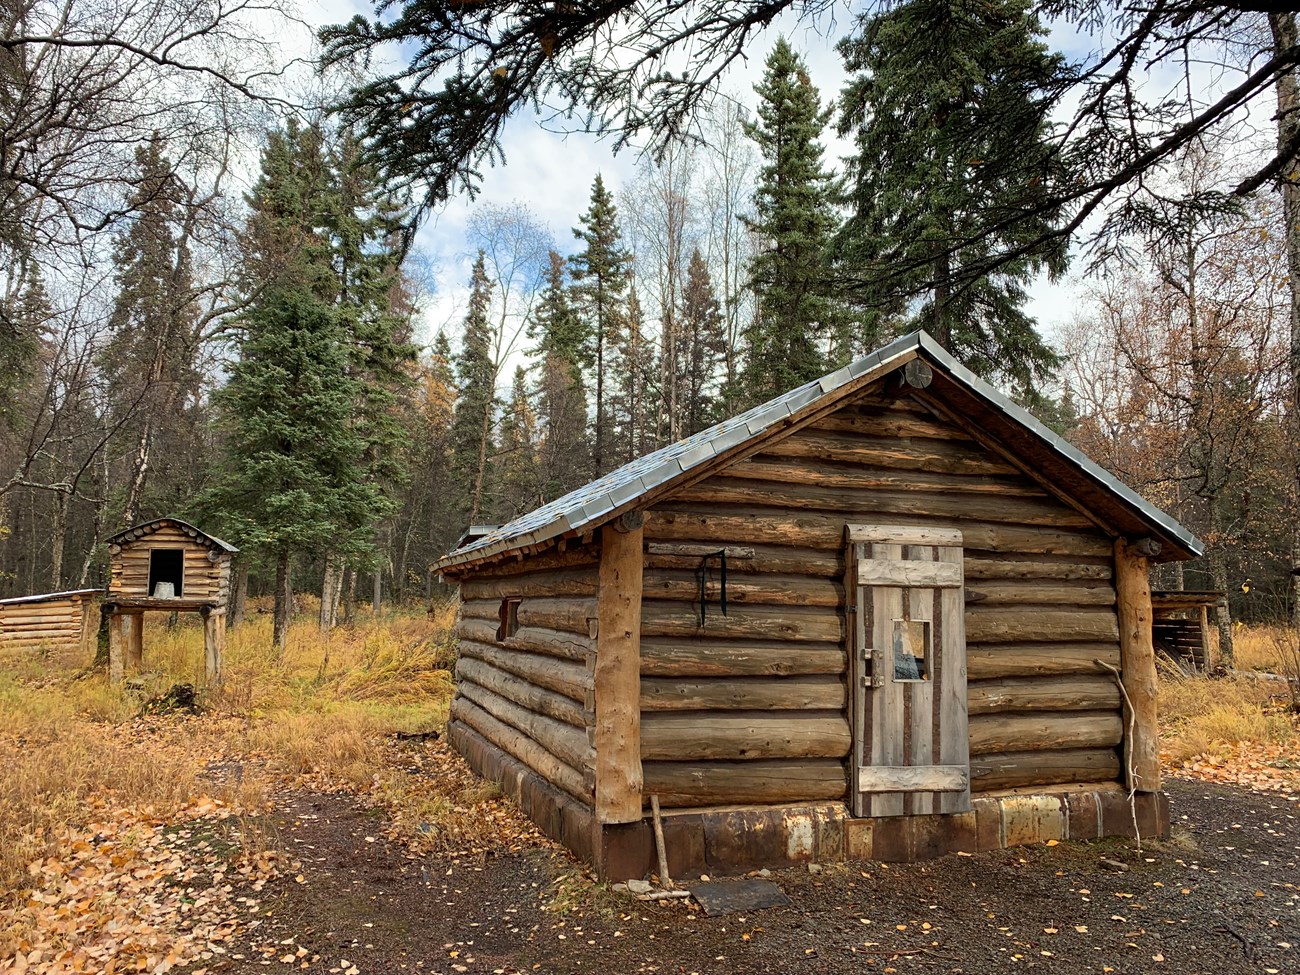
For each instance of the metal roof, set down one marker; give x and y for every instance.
(148, 527)
(590, 504)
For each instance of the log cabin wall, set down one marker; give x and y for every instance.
(203, 578)
(63, 622)
(750, 707)
(530, 694)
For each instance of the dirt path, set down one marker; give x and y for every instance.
(1223, 897)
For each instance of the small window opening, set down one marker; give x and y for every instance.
(167, 566)
(911, 649)
(509, 619)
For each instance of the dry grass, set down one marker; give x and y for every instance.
(71, 743)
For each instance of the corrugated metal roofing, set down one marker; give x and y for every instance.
(587, 505)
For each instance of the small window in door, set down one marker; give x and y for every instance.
(912, 650)
(509, 618)
(167, 566)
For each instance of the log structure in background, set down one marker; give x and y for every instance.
(165, 565)
(56, 622)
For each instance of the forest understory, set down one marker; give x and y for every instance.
(138, 833)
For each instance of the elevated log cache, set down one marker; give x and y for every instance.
(728, 701)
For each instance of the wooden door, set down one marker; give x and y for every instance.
(907, 637)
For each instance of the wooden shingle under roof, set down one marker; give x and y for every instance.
(992, 418)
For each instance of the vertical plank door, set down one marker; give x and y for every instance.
(907, 634)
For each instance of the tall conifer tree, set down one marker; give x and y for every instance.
(564, 451)
(149, 361)
(600, 272)
(472, 434)
(796, 323)
(701, 347)
(949, 115)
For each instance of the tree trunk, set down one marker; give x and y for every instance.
(58, 538)
(377, 590)
(283, 597)
(327, 594)
(238, 595)
(1217, 556)
(1288, 123)
(349, 594)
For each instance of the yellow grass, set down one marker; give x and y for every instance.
(71, 743)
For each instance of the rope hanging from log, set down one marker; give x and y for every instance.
(702, 574)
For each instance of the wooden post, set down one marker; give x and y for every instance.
(1138, 668)
(618, 673)
(134, 631)
(1207, 663)
(214, 640)
(88, 628)
(116, 646)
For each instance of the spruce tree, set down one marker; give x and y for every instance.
(796, 323)
(633, 372)
(298, 477)
(472, 441)
(519, 490)
(149, 360)
(949, 115)
(600, 272)
(558, 333)
(701, 347)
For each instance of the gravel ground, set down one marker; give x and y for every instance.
(1222, 896)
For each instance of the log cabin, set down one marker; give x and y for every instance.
(165, 565)
(62, 623)
(887, 615)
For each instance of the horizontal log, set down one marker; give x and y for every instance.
(564, 741)
(772, 590)
(562, 676)
(903, 573)
(765, 558)
(737, 658)
(933, 455)
(999, 625)
(700, 551)
(52, 642)
(726, 491)
(674, 618)
(1009, 570)
(541, 761)
(533, 639)
(524, 693)
(692, 784)
(1069, 693)
(753, 693)
(1032, 594)
(775, 526)
(913, 778)
(480, 609)
(706, 736)
(860, 477)
(1038, 659)
(881, 423)
(1010, 770)
(1049, 731)
(570, 557)
(569, 615)
(561, 582)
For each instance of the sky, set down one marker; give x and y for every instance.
(552, 173)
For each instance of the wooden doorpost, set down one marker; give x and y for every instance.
(1138, 666)
(617, 675)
